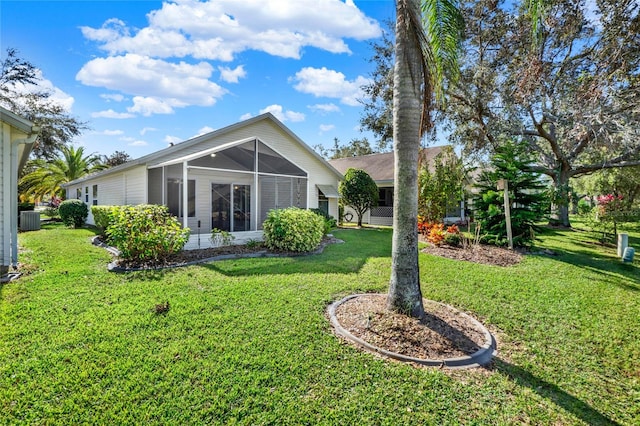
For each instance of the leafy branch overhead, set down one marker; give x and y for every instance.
(20, 93)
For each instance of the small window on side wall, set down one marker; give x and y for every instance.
(95, 195)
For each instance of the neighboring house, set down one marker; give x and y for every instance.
(16, 140)
(234, 176)
(381, 169)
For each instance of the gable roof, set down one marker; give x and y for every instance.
(380, 166)
(171, 151)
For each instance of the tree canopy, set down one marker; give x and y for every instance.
(19, 92)
(358, 191)
(571, 95)
(46, 177)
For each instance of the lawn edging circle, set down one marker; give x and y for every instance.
(479, 358)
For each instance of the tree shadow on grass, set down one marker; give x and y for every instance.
(608, 268)
(346, 258)
(524, 378)
(553, 393)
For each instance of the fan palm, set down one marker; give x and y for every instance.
(46, 177)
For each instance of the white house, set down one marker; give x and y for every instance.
(381, 169)
(234, 176)
(17, 136)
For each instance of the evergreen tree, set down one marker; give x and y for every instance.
(528, 200)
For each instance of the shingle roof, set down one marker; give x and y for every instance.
(380, 166)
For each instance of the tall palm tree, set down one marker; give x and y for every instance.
(428, 37)
(45, 177)
(426, 49)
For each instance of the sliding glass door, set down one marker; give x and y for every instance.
(226, 198)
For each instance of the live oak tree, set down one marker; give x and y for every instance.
(570, 94)
(19, 92)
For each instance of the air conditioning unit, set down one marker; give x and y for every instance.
(29, 221)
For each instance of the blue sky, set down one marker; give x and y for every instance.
(146, 73)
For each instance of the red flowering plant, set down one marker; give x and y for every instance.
(609, 212)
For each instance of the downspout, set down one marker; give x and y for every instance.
(185, 195)
(29, 140)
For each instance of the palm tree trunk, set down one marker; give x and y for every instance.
(405, 295)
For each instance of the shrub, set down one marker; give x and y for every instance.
(436, 234)
(293, 229)
(329, 222)
(584, 207)
(146, 233)
(452, 236)
(102, 216)
(73, 213)
(221, 238)
(452, 239)
(51, 212)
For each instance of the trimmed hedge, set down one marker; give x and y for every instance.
(73, 213)
(293, 229)
(146, 233)
(102, 216)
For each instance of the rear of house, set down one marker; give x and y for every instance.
(234, 176)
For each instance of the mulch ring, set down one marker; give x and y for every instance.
(444, 332)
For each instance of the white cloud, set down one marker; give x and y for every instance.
(324, 108)
(138, 143)
(282, 115)
(246, 116)
(204, 131)
(218, 30)
(323, 82)
(57, 95)
(111, 114)
(326, 127)
(157, 86)
(149, 105)
(112, 132)
(232, 75)
(116, 97)
(147, 129)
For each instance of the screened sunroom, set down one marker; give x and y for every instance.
(230, 187)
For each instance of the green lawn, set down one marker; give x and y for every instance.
(247, 341)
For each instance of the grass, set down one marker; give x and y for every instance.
(247, 341)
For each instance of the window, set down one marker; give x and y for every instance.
(86, 194)
(95, 195)
(323, 203)
(79, 193)
(175, 195)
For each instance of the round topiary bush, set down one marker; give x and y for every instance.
(73, 213)
(293, 229)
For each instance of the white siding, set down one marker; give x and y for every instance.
(135, 184)
(131, 185)
(5, 231)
